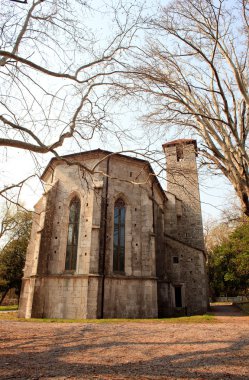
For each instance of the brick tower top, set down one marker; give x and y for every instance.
(181, 141)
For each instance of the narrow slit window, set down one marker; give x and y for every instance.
(119, 236)
(179, 152)
(73, 233)
(178, 296)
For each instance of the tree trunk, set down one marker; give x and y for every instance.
(243, 194)
(4, 295)
(245, 204)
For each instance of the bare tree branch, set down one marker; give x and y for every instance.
(193, 72)
(56, 73)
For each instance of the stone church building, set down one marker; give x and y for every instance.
(111, 243)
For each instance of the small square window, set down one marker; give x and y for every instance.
(175, 260)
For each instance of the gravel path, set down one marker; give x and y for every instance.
(145, 350)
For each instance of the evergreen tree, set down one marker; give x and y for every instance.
(12, 256)
(229, 264)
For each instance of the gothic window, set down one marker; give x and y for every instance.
(119, 236)
(73, 232)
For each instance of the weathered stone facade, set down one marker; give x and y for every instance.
(164, 270)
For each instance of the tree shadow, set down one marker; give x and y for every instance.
(227, 310)
(76, 354)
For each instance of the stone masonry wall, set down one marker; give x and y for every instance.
(126, 296)
(60, 297)
(130, 298)
(56, 293)
(52, 287)
(32, 258)
(188, 271)
(139, 234)
(182, 182)
(184, 241)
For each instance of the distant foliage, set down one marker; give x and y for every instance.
(228, 264)
(12, 255)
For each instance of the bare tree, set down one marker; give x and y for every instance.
(55, 74)
(193, 72)
(7, 220)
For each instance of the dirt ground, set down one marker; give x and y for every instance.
(144, 350)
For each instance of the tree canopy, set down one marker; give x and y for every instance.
(12, 255)
(228, 264)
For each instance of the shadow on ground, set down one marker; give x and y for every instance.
(226, 310)
(75, 354)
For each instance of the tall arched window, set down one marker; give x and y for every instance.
(119, 236)
(73, 232)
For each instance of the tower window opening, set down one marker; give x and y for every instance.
(179, 152)
(178, 296)
(175, 259)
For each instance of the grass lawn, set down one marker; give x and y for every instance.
(12, 316)
(10, 307)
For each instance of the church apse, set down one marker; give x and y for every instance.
(116, 247)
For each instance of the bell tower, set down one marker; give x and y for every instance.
(183, 186)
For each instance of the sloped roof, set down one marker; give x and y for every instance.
(108, 154)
